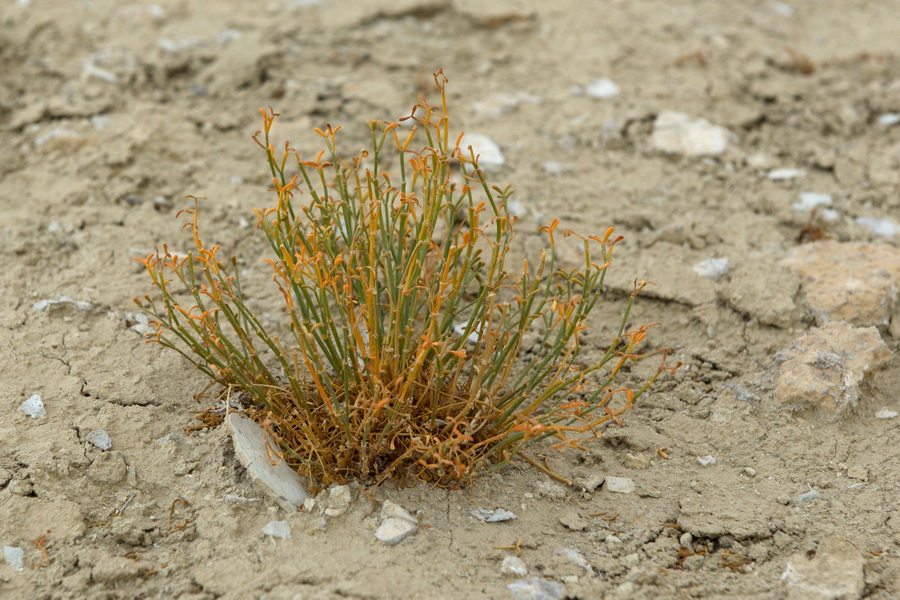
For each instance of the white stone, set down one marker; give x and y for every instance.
(536, 588)
(885, 413)
(392, 531)
(277, 529)
(711, 268)
(576, 558)
(811, 200)
(49, 304)
(602, 88)
(555, 168)
(786, 174)
(884, 227)
(888, 119)
(677, 133)
(14, 557)
(834, 572)
(706, 461)
(392, 510)
(99, 438)
(513, 565)
(278, 480)
(492, 516)
(486, 150)
(33, 407)
(619, 485)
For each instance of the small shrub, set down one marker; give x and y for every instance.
(402, 351)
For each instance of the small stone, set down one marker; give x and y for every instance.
(392, 510)
(786, 174)
(686, 540)
(612, 540)
(636, 461)
(848, 281)
(14, 557)
(826, 369)
(749, 471)
(835, 571)
(279, 480)
(488, 152)
(576, 558)
(277, 529)
(711, 268)
(602, 88)
(888, 119)
(632, 559)
(885, 227)
(858, 472)
(100, 439)
(113, 569)
(392, 531)
(885, 413)
(806, 497)
(811, 200)
(492, 516)
(33, 407)
(588, 480)
(677, 133)
(706, 461)
(555, 168)
(536, 588)
(760, 160)
(336, 501)
(548, 489)
(619, 485)
(503, 103)
(513, 565)
(570, 519)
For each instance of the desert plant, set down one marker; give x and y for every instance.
(401, 351)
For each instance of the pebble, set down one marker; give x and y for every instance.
(888, 119)
(811, 200)
(100, 439)
(536, 588)
(883, 227)
(835, 570)
(712, 268)
(392, 531)
(576, 558)
(570, 519)
(602, 88)
(14, 557)
(549, 489)
(885, 413)
(760, 160)
(805, 497)
(826, 369)
(555, 168)
(277, 529)
(636, 461)
(513, 565)
(619, 485)
(336, 501)
(686, 540)
(706, 461)
(488, 152)
(279, 481)
(749, 471)
(33, 407)
(678, 133)
(786, 174)
(492, 516)
(64, 301)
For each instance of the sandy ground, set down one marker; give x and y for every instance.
(111, 112)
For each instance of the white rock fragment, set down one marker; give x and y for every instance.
(678, 133)
(786, 174)
(883, 227)
(337, 502)
(277, 529)
(488, 152)
(90, 70)
(834, 572)
(576, 558)
(619, 485)
(805, 497)
(63, 301)
(278, 480)
(513, 565)
(888, 120)
(602, 88)
(14, 557)
(503, 103)
(706, 461)
(100, 439)
(460, 329)
(516, 209)
(492, 516)
(555, 168)
(811, 200)
(885, 413)
(712, 268)
(396, 524)
(536, 588)
(33, 407)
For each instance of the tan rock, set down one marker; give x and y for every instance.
(834, 572)
(825, 369)
(849, 281)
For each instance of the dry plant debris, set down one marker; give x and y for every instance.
(405, 322)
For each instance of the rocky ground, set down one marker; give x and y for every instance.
(748, 151)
